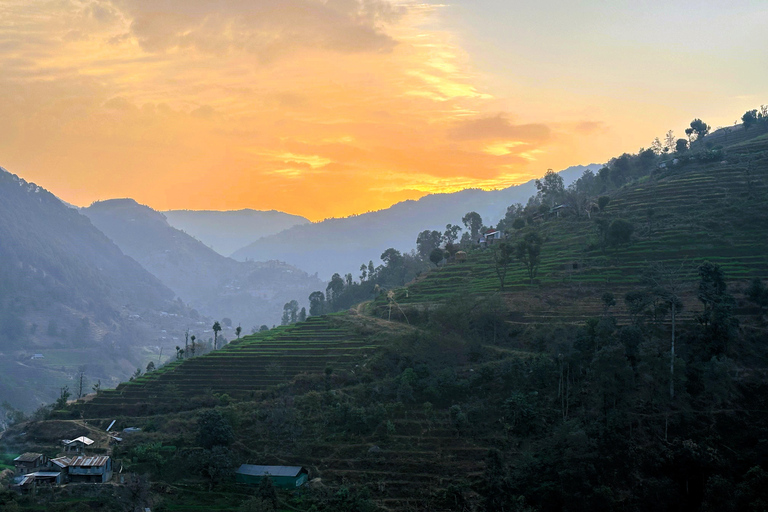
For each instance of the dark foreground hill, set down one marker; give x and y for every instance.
(249, 293)
(342, 245)
(225, 232)
(67, 293)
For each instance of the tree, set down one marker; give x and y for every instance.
(528, 251)
(698, 128)
(436, 256)
(316, 303)
(64, 395)
(667, 283)
(213, 429)
(363, 272)
(657, 147)
(681, 145)
(216, 329)
(669, 142)
(303, 314)
(717, 319)
(551, 188)
(620, 232)
(150, 366)
(426, 242)
(334, 288)
(602, 202)
(518, 223)
(749, 118)
(290, 312)
(266, 491)
(97, 387)
(238, 330)
(451, 234)
(503, 253)
(474, 223)
(193, 346)
(758, 293)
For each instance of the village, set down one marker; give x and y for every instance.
(83, 460)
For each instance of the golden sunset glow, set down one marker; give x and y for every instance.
(315, 107)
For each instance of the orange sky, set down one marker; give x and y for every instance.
(315, 107)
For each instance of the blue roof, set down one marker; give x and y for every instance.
(250, 469)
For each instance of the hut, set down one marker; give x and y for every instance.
(29, 462)
(76, 445)
(284, 477)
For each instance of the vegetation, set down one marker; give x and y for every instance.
(607, 354)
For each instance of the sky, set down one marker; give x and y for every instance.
(328, 108)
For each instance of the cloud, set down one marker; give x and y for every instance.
(499, 128)
(265, 28)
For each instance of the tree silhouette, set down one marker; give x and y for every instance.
(216, 328)
(238, 330)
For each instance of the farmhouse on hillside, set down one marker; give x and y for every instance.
(29, 462)
(76, 445)
(490, 237)
(284, 477)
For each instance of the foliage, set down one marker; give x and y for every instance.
(528, 252)
(213, 430)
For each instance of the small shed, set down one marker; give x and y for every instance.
(284, 477)
(29, 462)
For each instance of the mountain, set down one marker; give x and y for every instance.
(473, 389)
(341, 245)
(250, 293)
(228, 231)
(65, 288)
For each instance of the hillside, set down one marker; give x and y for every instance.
(342, 245)
(225, 232)
(449, 394)
(66, 289)
(250, 293)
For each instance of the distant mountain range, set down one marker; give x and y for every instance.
(249, 293)
(342, 245)
(225, 232)
(65, 286)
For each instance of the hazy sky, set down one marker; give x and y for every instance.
(333, 107)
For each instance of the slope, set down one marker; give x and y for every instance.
(249, 293)
(225, 232)
(341, 245)
(64, 285)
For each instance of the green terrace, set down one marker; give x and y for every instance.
(242, 368)
(695, 209)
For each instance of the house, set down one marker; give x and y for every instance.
(29, 462)
(490, 237)
(48, 477)
(285, 477)
(90, 469)
(76, 445)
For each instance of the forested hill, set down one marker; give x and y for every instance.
(342, 245)
(63, 284)
(249, 293)
(606, 356)
(227, 231)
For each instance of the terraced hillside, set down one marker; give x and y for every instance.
(683, 214)
(241, 369)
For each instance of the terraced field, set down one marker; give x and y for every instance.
(698, 213)
(241, 369)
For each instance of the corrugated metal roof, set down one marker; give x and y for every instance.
(87, 461)
(85, 440)
(46, 474)
(250, 469)
(62, 462)
(28, 457)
